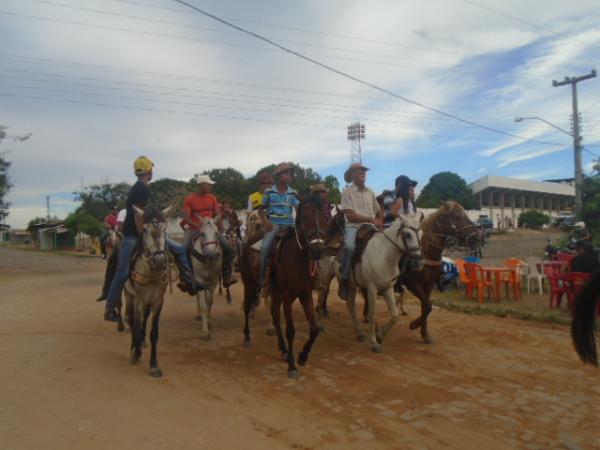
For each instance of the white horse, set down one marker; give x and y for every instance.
(207, 262)
(377, 271)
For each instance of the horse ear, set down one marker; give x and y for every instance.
(138, 210)
(167, 210)
(422, 217)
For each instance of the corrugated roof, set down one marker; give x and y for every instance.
(493, 181)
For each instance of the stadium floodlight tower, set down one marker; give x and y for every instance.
(356, 133)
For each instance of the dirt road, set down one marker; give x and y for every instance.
(485, 382)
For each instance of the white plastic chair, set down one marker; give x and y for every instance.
(532, 273)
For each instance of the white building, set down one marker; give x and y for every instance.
(508, 197)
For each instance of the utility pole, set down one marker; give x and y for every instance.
(47, 208)
(356, 133)
(577, 147)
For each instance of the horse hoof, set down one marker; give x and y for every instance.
(155, 372)
(361, 338)
(133, 359)
(427, 340)
(206, 338)
(270, 332)
(404, 313)
(284, 356)
(321, 327)
(144, 345)
(377, 348)
(413, 325)
(248, 343)
(293, 374)
(120, 327)
(229, 301)
(379, 338)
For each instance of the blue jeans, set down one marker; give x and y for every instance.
(180, 253)
(349, 248)
(128, 244)
(266, 249)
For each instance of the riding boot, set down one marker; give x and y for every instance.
(344, 289)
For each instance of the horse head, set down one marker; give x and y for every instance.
(453, 221)
(207, 243)
(410, 233)
(154, 236)
(335, 227)
(311, 224)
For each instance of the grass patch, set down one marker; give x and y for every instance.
(524, 310)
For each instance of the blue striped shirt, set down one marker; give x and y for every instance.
(279, 207)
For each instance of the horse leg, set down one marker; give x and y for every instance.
(421, 321)
(321, 298)
(203, 309)
(371, 299)
(276, 317)
(248, 302)
(154, 369)
(270, 331)
(209, 305)
(365, 296)
(394, 315)
(136, 331)
(351, 305)
(290, 333)
(147, 310)
(307, 304)
(400, 303)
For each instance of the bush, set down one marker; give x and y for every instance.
(533, 219)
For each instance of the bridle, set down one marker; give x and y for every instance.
(455, 230)
(318, 236)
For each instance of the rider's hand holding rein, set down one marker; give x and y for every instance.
(263, 218)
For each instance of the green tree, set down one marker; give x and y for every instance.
(98, 199)
(5, 185)
(333, 185)
(35, 221)
(445, 186)
(229, 183)
(591, 203)
(169, 192)
(83, 222)
(533, 219)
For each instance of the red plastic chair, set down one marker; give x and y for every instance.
(575, 282)
(563, 256)
(558, 286)
(478, 280)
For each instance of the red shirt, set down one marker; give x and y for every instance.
(205, 205)
(111, 220)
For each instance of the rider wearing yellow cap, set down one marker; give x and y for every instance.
(139, 195)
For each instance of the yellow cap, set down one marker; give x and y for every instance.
(142, 165)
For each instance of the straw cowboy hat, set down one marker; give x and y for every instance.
(351, 169)
(282, 167)
(319, 187)
(203, 179)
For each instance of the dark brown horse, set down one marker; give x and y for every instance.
(583, 326)
(449, 221)
(293, 275)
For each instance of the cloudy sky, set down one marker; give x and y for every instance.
(100, 82)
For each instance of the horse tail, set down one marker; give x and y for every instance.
(583, 324)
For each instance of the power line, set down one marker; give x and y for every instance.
(429, 64)
(523, 21)
(217, 42)
(362, 112)
(223, 116)
(194, 78)
(358, 80)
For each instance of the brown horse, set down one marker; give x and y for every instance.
(293, 275)
(583, 326)
(450, 220)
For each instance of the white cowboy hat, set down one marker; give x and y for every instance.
(204, 179)
(580, 225)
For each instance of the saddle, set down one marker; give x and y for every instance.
(363, 236)
(278, 239)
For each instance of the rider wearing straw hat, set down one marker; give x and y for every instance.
(204, 205)
(360, 207)
(278, 205)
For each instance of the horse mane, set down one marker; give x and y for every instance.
(447, 206)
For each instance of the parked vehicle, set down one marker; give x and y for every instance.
(485, 222)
